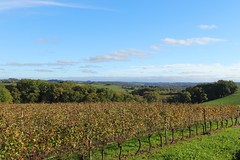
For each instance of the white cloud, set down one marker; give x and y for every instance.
(57, 63)
(155, 47)
(47, 41)
(43, 70)
(191, 41)
(150, 73)
(16, 64)
(63, 63)
(207, 26)
(14, 4)
(180, 72)
(89, 66)
(88, 71)
(121, 55)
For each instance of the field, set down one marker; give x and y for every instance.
(232, 99)
(109, 86)
(104, 130)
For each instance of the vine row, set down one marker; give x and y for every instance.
(39, 131)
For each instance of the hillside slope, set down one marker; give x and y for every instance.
(232, 99)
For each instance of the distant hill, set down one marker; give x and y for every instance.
(231, 99)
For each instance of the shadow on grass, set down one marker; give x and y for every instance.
(236, 155)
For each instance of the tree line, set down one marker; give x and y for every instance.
(205, 92)
(40, 91)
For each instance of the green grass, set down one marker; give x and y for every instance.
(221, 146)
(110, 86)
(231, 99)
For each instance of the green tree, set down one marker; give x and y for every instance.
(44, 87)
(29, 90)
(128, 97)
(118, 96)
(185, 97)
(198, 95)
(78, 91)
(92, 97)
(15, 93)
(151, 96)
(5, 95)
(104, 94)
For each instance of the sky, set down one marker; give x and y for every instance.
(120, 40)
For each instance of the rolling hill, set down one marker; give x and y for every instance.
(231, 99)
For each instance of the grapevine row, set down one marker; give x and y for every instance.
(38, 131)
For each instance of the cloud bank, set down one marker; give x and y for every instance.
(207, 26)
(57, 63)
(146, 73)
(191, 41)
(121, 55)
(180, 72)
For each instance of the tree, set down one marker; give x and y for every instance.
(29, 90)
(92, 97)
(233, 87)
(43, 91)
(151, 96)
(226, 88)
(198, 95)
(14, 92)
(5, 95)
(185, 97)
(128, 97)
(104, 94)
(118, 97)
(141, 91)
(78, 91)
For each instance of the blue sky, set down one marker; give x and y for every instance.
(120, 40)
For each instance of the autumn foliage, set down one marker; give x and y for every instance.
(37, 131)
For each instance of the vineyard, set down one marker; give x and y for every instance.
(45, 131)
